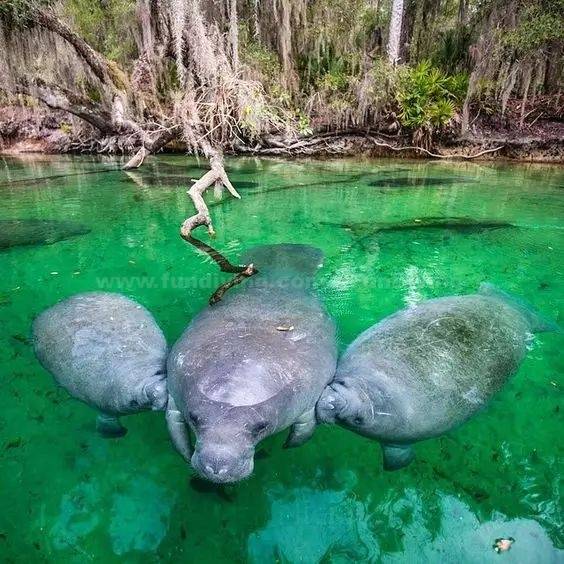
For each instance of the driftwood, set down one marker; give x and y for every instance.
(218, 178)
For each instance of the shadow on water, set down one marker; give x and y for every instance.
(224, 492)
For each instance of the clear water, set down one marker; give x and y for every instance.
(69, 496)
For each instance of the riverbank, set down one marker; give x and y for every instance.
(37, 130)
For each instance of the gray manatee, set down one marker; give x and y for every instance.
(428, 368)
(252, 365)
(107, 351)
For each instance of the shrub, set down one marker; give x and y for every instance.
(428, 99)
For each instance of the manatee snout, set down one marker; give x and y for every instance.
(330, 405)
(222, 463)
(157, 394)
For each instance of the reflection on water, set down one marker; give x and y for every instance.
(69, 496)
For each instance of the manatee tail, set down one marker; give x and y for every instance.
(291, 258)
(538, 323)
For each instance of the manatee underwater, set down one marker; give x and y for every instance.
(106, 350)
(426, 369)
(464, 225)
(252, 365)
(416, 182)
(23, 232)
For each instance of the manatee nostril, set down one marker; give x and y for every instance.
(209, 469)
(222, 471)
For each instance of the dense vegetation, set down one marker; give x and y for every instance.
(225, 74)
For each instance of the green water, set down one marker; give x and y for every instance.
(69, 496)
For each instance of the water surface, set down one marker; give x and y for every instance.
(70, 496)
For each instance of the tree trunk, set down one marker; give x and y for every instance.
(94, 60)
(394, 37)
(234, 34)
(59, 98)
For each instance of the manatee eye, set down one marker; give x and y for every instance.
(259, 428)
(358, 420)
(194, 419)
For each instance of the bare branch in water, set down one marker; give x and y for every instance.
(216, 177)
(237, 279)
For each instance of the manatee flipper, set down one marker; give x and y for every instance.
(397, 456)
(109, 426)
(302, 430)
(178, 430)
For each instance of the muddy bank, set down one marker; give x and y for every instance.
(36, 130)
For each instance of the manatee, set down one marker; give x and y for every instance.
(415, 182)
(464, 225)
(426, 369)
(252, 365)
(106, 350)
(21, 232)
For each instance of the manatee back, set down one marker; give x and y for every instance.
(443, 359)
(264, 345)
(102, 348)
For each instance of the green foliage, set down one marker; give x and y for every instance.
(427, 97)
(333, 81)
(539, 24)
(384, 81)
(17, 13)
(259, 57)
(106, 25)
(451, 55)
(304, 124)
(66, 128)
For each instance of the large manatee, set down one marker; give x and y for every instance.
(107, 351)
(252, 365)
(426, 369)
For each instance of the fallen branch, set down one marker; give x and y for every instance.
(218, 294)
(151, 146)
(217, 177)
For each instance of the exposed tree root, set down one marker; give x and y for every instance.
(340, 143)
(436, 155)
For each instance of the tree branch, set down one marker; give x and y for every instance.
(60, 98)
(93, 59)
(217, 177)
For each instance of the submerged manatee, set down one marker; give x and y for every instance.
(252, 365)
(22, 232)
(426, 369)
(107, 351)
(462, 225)
(416, 182)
